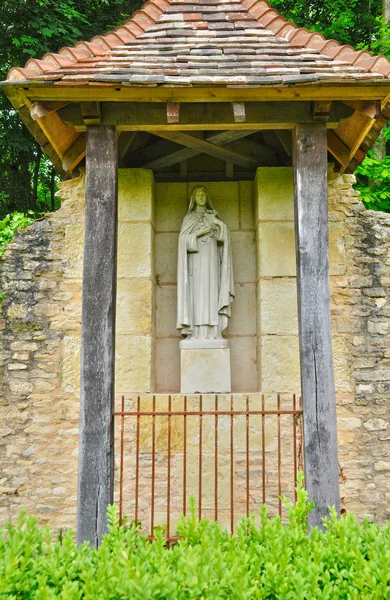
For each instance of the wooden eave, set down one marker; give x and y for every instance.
(64, 143)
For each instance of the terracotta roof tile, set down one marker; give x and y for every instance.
(206, 42)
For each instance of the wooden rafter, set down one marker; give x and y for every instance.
(125, 141)
(347, 139)
(338, 149)
(285, 139)
(207, 147)
(41, 109)
(278, 150)
(74, 155)
(165, 153)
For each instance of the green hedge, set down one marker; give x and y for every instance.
(264, 559)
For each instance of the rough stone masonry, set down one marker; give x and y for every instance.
(40, 278)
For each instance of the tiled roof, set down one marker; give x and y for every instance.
(206, 42)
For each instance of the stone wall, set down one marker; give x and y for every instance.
(39, 400)
(361, 324)
(41, 310)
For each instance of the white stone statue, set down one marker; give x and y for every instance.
(205, 288)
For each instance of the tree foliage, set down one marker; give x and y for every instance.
(354, 22)
(32, 28)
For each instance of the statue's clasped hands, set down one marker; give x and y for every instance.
(204, 231)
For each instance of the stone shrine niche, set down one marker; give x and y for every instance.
(205, 292)
(233, 202)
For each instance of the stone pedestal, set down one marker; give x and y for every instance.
(205, 367)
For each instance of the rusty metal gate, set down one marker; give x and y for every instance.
(231, 453)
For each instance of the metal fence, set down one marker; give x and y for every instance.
(231, 453)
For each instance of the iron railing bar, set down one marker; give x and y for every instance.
(216, 460)
(169, 468)
(205, 413)
(231, 466)
(137, 459)
(279, 459)
(263, 414)
(247, 455)
(121, 463)
(200, 456)
(295, 446)
(185, 458)
(153, 462)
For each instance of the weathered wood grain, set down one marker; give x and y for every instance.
(153, 115)
(115, 93)
(74, 155)
(317, 378)
(96, 451)
(164, 153)
(200, 145)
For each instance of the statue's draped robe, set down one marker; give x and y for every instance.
(205, 286)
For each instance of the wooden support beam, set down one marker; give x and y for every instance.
(315, 345)
(217, 175)
(260, 153)
(339, 150)
(149, 116)
(41, 138)
(220, 138)
(229, 170)
(91, 112)
(276, 148)
(158, 158)
(321, 111)
(125, 93)
(239, 112)
(60, 135)
(173, 112)
(285, 138)
(74, 155)
(165, 153)
(41, 109)
(96, 448)
(186, 139)
(354, 132)
(183, 169)
(370, 109)
(125, 140)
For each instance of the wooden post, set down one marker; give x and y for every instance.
(315, 345)
(96, 448)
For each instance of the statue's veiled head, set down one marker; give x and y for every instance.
(199, 197)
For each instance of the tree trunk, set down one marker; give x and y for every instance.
(36, 176)
(24, 178)
(52, 190)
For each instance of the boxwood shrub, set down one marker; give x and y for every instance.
(264, 559)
